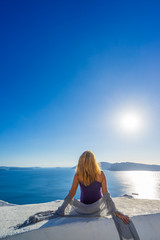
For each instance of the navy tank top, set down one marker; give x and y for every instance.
(91, 193)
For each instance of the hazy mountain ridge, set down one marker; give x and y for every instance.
(129, 166)
(118, 166)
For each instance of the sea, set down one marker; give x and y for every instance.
(40, 185)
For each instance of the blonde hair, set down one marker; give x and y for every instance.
(88, 168)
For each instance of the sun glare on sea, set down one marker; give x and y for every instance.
(144, 183)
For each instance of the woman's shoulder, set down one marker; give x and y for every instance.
(79, 178)
(100, 176)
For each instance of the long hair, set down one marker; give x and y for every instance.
(88, 168)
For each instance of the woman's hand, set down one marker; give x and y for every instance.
(123, 217)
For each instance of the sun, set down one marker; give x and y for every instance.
(129, 122)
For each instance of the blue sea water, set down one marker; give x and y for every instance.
(41, 185)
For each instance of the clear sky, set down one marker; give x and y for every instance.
(70, 73)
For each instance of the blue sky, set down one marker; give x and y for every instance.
(67, 68)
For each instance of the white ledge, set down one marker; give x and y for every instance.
(144, 213)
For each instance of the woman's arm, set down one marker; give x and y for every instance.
(104, 183)
(73, 189)
(61, 210)
(105, 190)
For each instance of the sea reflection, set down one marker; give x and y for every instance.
(139, 184)
(144, 183)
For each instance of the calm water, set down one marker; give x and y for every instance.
(49, 184)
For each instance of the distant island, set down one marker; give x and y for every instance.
(121, 166)
(128, 166)
(4, 168)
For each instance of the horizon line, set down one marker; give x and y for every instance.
(75, 165)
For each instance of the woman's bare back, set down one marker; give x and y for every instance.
(99, 177)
